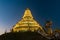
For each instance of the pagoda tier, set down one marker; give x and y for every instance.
(27, 23)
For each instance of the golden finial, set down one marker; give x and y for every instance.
(27, 13)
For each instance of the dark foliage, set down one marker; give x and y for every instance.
(22, 36)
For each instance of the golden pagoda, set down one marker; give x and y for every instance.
(27, 23)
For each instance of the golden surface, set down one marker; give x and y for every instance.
(27, 23)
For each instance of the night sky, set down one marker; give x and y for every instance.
(11, 12)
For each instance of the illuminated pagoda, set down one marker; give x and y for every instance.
(27, 23)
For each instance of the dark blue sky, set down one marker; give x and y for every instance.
(12, 10)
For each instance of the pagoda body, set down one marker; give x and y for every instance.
(27, 23)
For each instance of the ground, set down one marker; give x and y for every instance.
(22, 36)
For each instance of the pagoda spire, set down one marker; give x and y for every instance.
(27, 13)
(27, 23)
